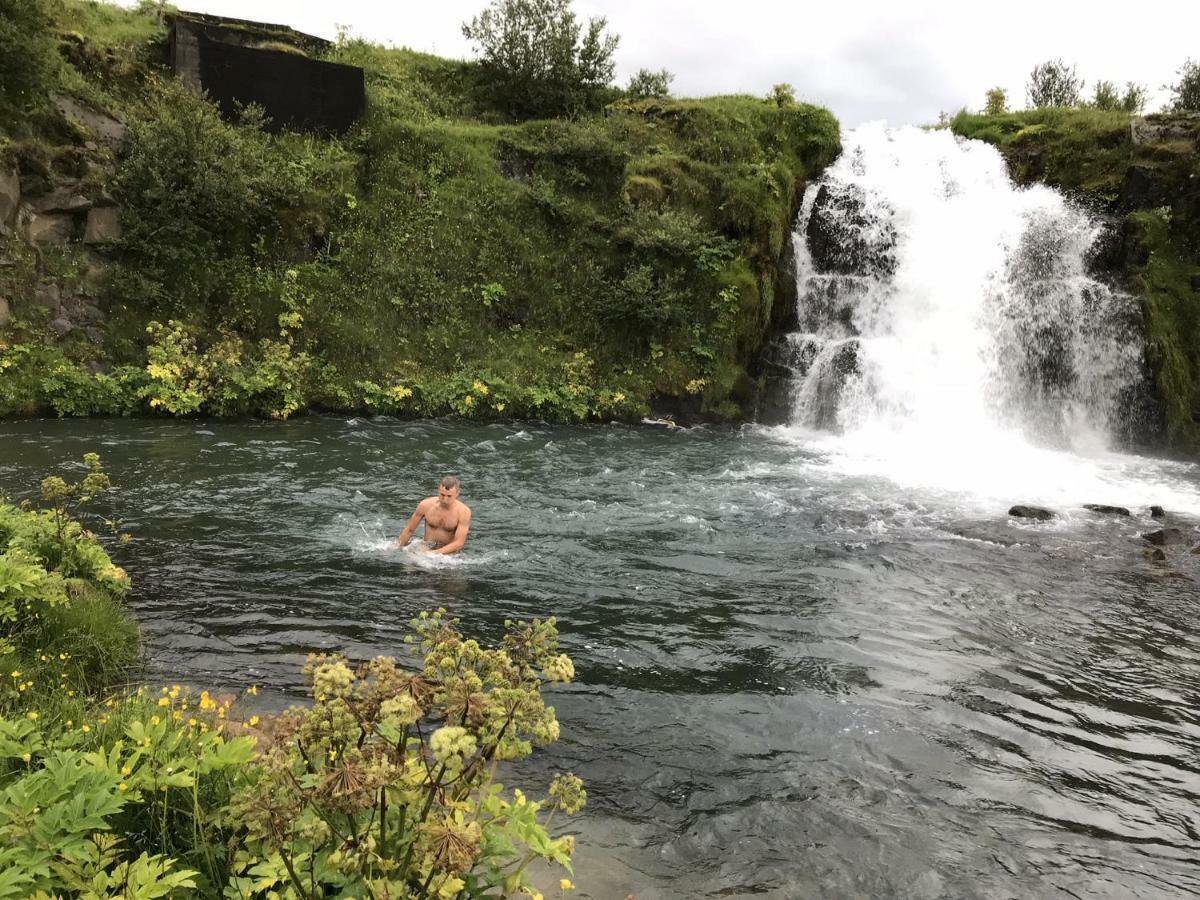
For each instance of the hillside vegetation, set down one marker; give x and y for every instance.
(438, 259)
(1143, 175)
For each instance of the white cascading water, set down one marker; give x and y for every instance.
(951, 336)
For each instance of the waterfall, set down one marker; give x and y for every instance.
(942, 307)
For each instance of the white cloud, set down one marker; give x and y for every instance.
(865, 60)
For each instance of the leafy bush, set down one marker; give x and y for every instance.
(996, 102)
(27, 55)
(541, 61)
(384, 786)
(647, 85)
(1185, 93)
(1053, 83)
(205, 205)
(59, 590)
(1106, 96)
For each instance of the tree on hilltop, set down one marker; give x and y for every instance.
(1106, 96)
(1187, 90)
(647, 85)
(995, 102)
(1054, 83)
(541, 59)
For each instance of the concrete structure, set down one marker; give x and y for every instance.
(238, 62)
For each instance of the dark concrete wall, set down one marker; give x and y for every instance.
(297, 92)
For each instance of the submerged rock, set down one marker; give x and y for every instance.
(1156, 554)
(1157, 512)
(1031, 512)
(1164, 536)
(1106, 510)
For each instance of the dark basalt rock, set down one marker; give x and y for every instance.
(1163, 537)
(843, 239)
(1106, 510)
(1031, 512)
(1157, 512)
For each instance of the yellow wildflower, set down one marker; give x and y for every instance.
(122, 786)
(253, 721)
(26, 757)
(125, 770)
(164, 702)
(566, 885)
(177, 716)
(32, 715)
(191, 723)
(252, 690)
(86, 728)
(15, 674)
(154, 720)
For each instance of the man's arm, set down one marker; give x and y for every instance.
(460, 535)
(413, 522)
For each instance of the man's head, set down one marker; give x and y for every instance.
(447, 490)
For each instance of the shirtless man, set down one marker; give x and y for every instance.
(447, 520)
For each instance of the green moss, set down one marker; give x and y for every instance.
(1084, 152)
(1172, 315)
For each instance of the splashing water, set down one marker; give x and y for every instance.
(951, 336)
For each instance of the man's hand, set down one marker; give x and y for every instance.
(413, 522)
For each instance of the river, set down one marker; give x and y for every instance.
(796, 677)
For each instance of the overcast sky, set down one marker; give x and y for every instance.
(903, 61)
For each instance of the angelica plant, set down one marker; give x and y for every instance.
(386, 786)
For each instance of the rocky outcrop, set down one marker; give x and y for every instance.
(1037, 513)
(1163, 537)
(1106, 510)
(103, 226)
(108, 131)
(50, 228)
(835, 235)
(10, 199)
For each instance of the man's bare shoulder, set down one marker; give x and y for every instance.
(464, 509)
(426, 503)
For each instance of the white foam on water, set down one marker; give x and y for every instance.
(987, 363)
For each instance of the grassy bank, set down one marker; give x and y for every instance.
(439, 259)
(1143, 174)
(383, 785)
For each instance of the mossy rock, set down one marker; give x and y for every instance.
(643, 191)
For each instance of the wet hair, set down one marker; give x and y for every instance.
(449, 482)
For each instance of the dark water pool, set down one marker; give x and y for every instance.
(793, 680)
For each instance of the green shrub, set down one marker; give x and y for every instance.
(540, 60)
(645, 84)
(1185, 93)
(28, 61)
(996, 103)
(386, 785)
(1053, 83)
